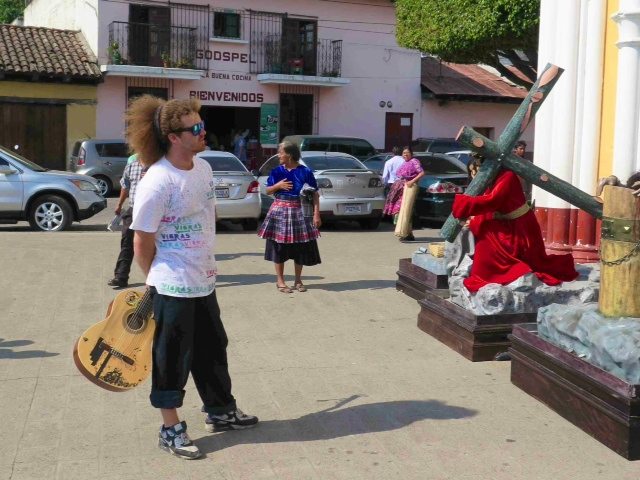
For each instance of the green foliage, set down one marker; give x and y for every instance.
(468, 31)
(10, 10)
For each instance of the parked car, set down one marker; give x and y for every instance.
(463, 155)
(436, 145)
(49, 200)
(348, 190)
(376, 163)
(104, 160)
(444, 177)
(357, 147)
(236, 189)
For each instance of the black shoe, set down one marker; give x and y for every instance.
(233, 420)
(408, 238)
(117, 282)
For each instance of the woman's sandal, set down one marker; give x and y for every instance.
(283, 289)
(300, 287)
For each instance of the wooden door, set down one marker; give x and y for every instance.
(398, 130)
(149, 35)
(299, 45)
(39, 131)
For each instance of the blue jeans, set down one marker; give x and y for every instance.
(190, 338)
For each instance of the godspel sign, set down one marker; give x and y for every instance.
(269, 124)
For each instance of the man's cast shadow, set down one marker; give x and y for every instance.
(335, 422)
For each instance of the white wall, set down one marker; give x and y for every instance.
(446, 120)
(66, 14)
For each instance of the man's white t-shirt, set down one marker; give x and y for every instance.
(390, 168)
(179, 207)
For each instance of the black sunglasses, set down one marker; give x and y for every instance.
(194, 129)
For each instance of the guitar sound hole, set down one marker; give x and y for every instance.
(133, 323)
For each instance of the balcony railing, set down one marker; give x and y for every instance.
(152, 45)
(323, 61)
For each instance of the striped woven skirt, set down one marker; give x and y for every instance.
(289, 234)
(285, 223)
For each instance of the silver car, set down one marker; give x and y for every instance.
(237, 193)
(49, 200)
(102, 159)
(348, 190)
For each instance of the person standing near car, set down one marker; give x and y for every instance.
(132, 174)
(409, 173)
(390, 168)
(289, 234)
(174, 222)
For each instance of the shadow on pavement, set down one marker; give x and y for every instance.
(334, 423)
(7, 346)
(231, 256)
(255, 279)
(352, 285)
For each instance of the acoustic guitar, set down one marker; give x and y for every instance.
(115, 353)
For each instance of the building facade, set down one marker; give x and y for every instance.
(48, 92)
(590, 126)
(304, 67)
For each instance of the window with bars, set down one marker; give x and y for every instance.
(226, 25)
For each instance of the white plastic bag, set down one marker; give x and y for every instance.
(115, 222)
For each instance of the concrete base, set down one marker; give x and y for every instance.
(415, 281)
(476, 337)
(601, 404)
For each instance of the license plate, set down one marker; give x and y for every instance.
(222, 192)
(353, 209)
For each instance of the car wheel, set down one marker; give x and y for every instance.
(50, 213)
(250, 224)
(104, 185)
(369, 223)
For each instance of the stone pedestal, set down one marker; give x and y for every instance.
(415, 281)
(603, 405)
(476, 337)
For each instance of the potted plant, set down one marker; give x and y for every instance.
(114, 53)
(185, 62)
(166, 59)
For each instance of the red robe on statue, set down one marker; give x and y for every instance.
(508, 249)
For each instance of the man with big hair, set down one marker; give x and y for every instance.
(174, 223)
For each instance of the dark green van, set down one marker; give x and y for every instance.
(358, 147)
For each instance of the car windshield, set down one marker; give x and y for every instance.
(439, 165)
(375, 162)
(328, 162)
(21, 160)
(224, 164)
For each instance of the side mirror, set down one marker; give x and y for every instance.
(7, 170)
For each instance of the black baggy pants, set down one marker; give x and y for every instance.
(123, 264)
(190, 338)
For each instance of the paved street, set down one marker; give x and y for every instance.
(344, 383)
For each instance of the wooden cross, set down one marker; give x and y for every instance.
(499, 155)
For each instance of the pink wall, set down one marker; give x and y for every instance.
(377, 68)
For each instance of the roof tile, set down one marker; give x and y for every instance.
(46, 51)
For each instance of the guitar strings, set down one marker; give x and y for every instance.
(142, 313)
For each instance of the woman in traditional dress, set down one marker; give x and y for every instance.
(289, 234)
(508, 239)
(409, 173)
